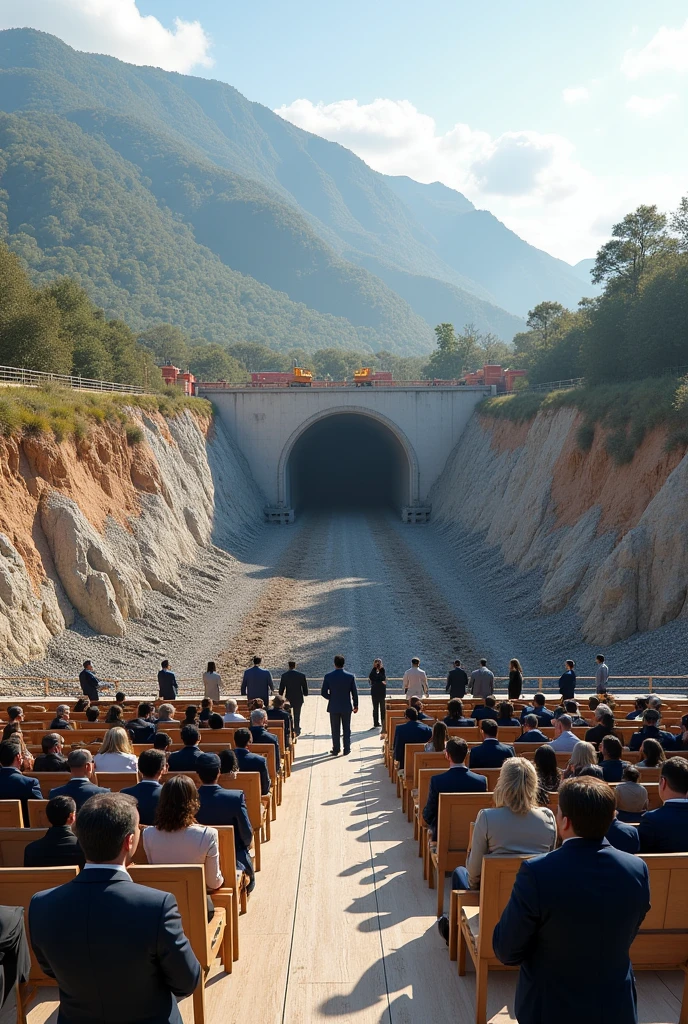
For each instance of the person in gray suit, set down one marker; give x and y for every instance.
(339, 689)
(482, 680)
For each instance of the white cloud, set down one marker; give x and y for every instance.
(648, 106)
(666, 51)
(576, 94)
(115, 27)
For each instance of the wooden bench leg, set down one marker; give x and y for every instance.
(683, 1019)
(431, 871)
(453, 924)
(461, 952)
(256, 839)
(440, 891)
(481, 992)
(199, 1001)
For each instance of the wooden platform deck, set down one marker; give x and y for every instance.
(341, 926)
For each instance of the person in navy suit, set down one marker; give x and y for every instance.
(59, 847)
(455, 719)
(225, 807)
(14, 785)
(152, 766)
(260, 734)
(104, 912)
(247, 760)
(257, 682)
(623, 836)
(339, 689)
(142, 728)
(79, 787)
(531, 733)
(666, 829)
(567, 681)
(488, 709)
(184, 760)
(412, 731)
(651, 731)
(490, 753)
(278, 714)
(457, 780)
(168, 687)
(549, 936)
(90, 683)
(543, 714)
(612, 765)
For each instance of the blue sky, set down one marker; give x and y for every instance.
(558, 118)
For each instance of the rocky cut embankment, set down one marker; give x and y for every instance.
(89, 527)
(609, 540)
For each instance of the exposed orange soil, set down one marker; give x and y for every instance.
(506, 436)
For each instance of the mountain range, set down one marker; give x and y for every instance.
(175, 199)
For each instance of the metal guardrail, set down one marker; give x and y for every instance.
(34, 378)
(223, 385)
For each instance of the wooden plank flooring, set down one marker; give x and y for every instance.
(341, 926)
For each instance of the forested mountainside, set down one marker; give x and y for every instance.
(246, 195)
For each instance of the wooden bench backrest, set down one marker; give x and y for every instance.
(117, 781)
(455, 813)
(18, 885)
(267, 750)
(248, 782)
(662, 942)
(278, 731)
(424, 776)
(37, 816)
(13, 842)
(11, 814)
(418, 758)
(187, 885)
(496, 882)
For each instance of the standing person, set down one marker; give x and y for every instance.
(212, 682)
(339, 689)
(482, 680)
(567, 681)
(90, 683)
(378, 692)
(117, 921)
(515, 679)
(257, 682)
(457, 682)
(549, 937)
(295, 685)
(601, 674)
(415, 680)
(168, 688)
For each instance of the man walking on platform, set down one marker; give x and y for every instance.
(296, 687)
(168, 688)
(415, 680)
(482, 680)
(257, 683)
(339, 689)
(457, 682)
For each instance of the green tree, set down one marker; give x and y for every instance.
(213, 362)
(544, 321)
(168, 343)
(259, 358)
(635, 240)
(339, 363)
(679, 224)
(492, 349)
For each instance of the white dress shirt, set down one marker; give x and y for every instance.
(116, 762)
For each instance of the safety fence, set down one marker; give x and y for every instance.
(34, 378)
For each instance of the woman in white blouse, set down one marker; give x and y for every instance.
(177, 839)
(212, 681)
(116, 753)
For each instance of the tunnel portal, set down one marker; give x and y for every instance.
(348, 460)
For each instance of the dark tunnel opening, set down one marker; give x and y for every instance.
(348, 461)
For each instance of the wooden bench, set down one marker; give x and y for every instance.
(37, 816)
(114, 781)
(187, 884)
(18, 885)
(455, 813)
(11, 813)
(662, 942)
(13, 842)
(424, 776)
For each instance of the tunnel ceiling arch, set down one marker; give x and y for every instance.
(351, 456)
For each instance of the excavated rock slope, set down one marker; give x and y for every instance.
(611, 540)
(90, 527)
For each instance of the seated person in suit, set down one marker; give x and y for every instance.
(14, 785)
(278, 714)
(15, 960)
(142, 728)
(215, 722)
(604, 726)
(220, 806)
(547, 935)
(231, 713)
(651, 730)
(455, 718)
(176, 838)
(631, 798)
(666, 829)
(92, 714)
(61, 719)
(457, 780)
(59, 846)
(79, 787)
(247, 760)
(611, 749)
(515, 825)
(542, 713)
(411, 731)
(184, 760)
(653, 755)
(531, 733)
(162, 741)
(640, 709)
(52, 759)
(206, 709)
(564, 738)
(623, 836)
(152, 766)
(417, 703)
(573, 711)
(490, 753)
(506, 715)
(260, 734)
(488, 709)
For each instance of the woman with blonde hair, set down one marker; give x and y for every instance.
(116, 753)
(582, 756)
(515, 679)
(438, 740)
(515, 825)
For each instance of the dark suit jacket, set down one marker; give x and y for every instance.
(481, 711)
(597, 734)
(250, 762)
(490, 754)
(551, 940)
(409, 732)
(60, 723)
(613, 770)
(147, 796)
(457, 683)
(79, 790)
(567, 685)
(225, 807)
(184, 760)
(15, 959)
(50, 763)
(89, 684)
(456, 780)
(295, 685)
(15, 786)
(141, 730)
(277, 715)
(458, 723)
(257, 682)
(623, 837)
(339, 688)
(261, 735)
(544, 716)
(168, 687)
(58, 847)
(534, 736)
(665, 830)
(120, 922)
(651, 732)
